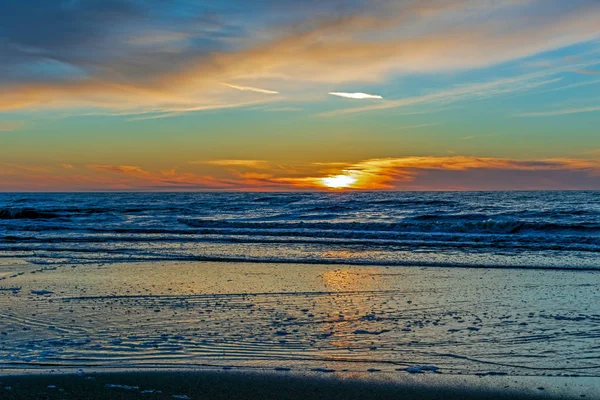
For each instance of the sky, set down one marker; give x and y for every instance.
(287, 95)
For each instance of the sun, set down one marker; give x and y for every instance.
(339, 181)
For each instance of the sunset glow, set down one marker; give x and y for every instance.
(339, 181)
(278, 96)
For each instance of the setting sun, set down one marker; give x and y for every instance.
(339, 181)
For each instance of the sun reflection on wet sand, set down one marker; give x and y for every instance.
(346, 309)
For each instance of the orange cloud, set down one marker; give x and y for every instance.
(10, 167)
(258, 164)
(120, 169)
(399, 173)
(402, 173)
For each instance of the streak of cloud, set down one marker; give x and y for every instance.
(476, 137)
(249, 89)
(26, 168)
(464, 92)
(120, 169)
(283, 109)
(564, 111)
(587, 72)
(356, 96)
(259, 164)
(417, 126)
(175, 111)
(571, 86)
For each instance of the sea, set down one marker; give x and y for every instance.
(454, 229)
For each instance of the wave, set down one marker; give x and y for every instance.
(397, 202)
(49, 212)
(96, 256)
(451, 217)
(323, 240)
(298, 226)
(452, 225)
(331, 208)
(277, 199)
(25, 213)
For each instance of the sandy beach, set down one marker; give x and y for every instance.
(407, 326)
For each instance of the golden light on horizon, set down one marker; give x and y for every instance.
(339, 181)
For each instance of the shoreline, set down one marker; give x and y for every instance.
(227, 384)
(300, 262)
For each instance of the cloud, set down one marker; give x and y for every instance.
(26, 168)
(250, 89)
(476, 136)
(571, 86)
(466, 173)
(159, 38)
(402, 128)
(283, 109)
(137, 178)
(9, 126)
(170, 57)
(259, 164)
(476, 90)
(471, 91)
(66, 166)
(120, 169)
(565, 111)
(356, 96)
(587, 71)
(174, 111)
(400, 173)
(538, 63)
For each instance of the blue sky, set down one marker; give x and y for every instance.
(279, 95)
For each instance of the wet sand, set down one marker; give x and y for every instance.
(230, 385)
(490, 328)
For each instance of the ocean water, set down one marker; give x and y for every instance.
(478, 229)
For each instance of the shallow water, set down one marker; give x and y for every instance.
(302, 317)
(481, 229)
